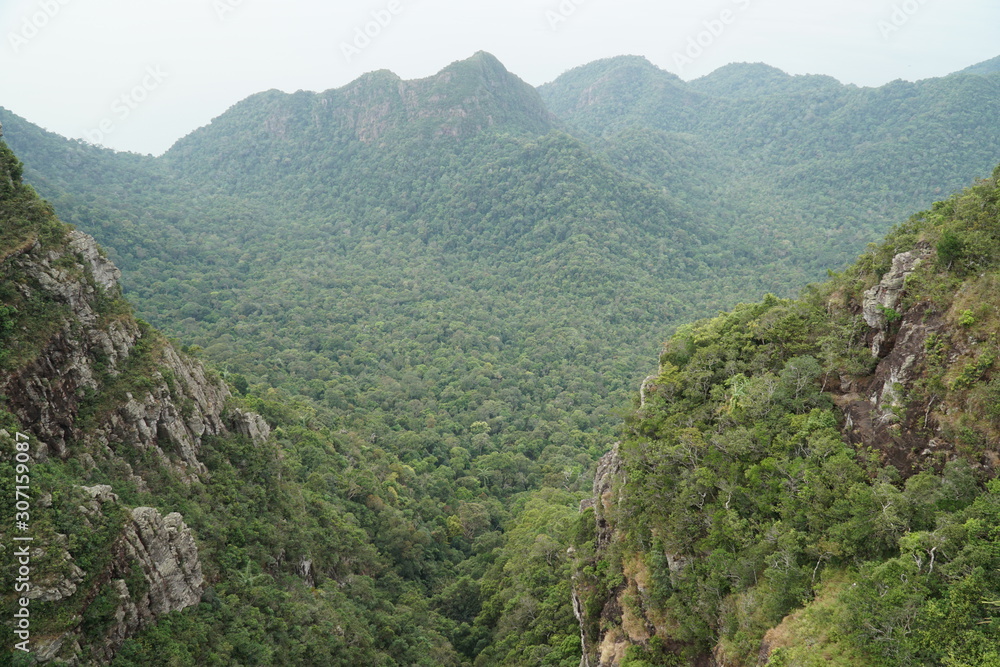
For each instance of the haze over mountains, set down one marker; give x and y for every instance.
(819, 169)
(616, 199)
(468, 278)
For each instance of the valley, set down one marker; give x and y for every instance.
(427, 308)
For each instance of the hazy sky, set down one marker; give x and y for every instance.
(139, 74)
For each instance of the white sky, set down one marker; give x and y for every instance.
(65, 64)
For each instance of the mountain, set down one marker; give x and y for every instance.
(986, 67)
(815, 477)
(377, 111)
(800, 153)
(438, 295)
(168, 522)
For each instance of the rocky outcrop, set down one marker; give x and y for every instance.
(163, 548)
(46, 393)
(250, 425)
(882, 410)
(61, 575)
(154, 554)
(172, 417)
(880, 301)
(177, 405)
(609, 471)
(105, 274)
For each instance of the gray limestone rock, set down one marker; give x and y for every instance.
(886, 295)
(249, 424)
(163, 550)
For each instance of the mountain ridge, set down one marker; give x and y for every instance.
(460, 297)
(898, 411)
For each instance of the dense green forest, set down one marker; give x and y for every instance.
(742, 501)
(443, 294)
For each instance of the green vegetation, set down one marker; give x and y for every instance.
(800, 171)
(441, 302)
(736, 466)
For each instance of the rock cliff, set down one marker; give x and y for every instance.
(153, 569)
(907, 373)
(87, 351)
(98, 392)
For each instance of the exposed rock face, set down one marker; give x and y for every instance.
(878, 410)
(156, 550)
(305, 570)
(171, 420)
(59, 581)
(168, 555)
(161, 549)
(609, 471)
(97, 385)
(885, 296)
(48, 393)
(105, 274)
(249, 424)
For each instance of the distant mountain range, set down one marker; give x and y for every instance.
(442, 295)
(617, 195)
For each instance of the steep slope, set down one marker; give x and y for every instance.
(815, 477)
(83, 381)
(166, 520)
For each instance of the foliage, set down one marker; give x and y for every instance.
(442, 313)
(737, 468)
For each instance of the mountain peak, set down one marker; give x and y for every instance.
(465, 98)
(612, 91)
(746, 80)
(476, 93)
(483, 59)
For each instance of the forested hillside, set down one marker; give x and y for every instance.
(813, 481)
(818, 168)
(441, 295)
(170, 523)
